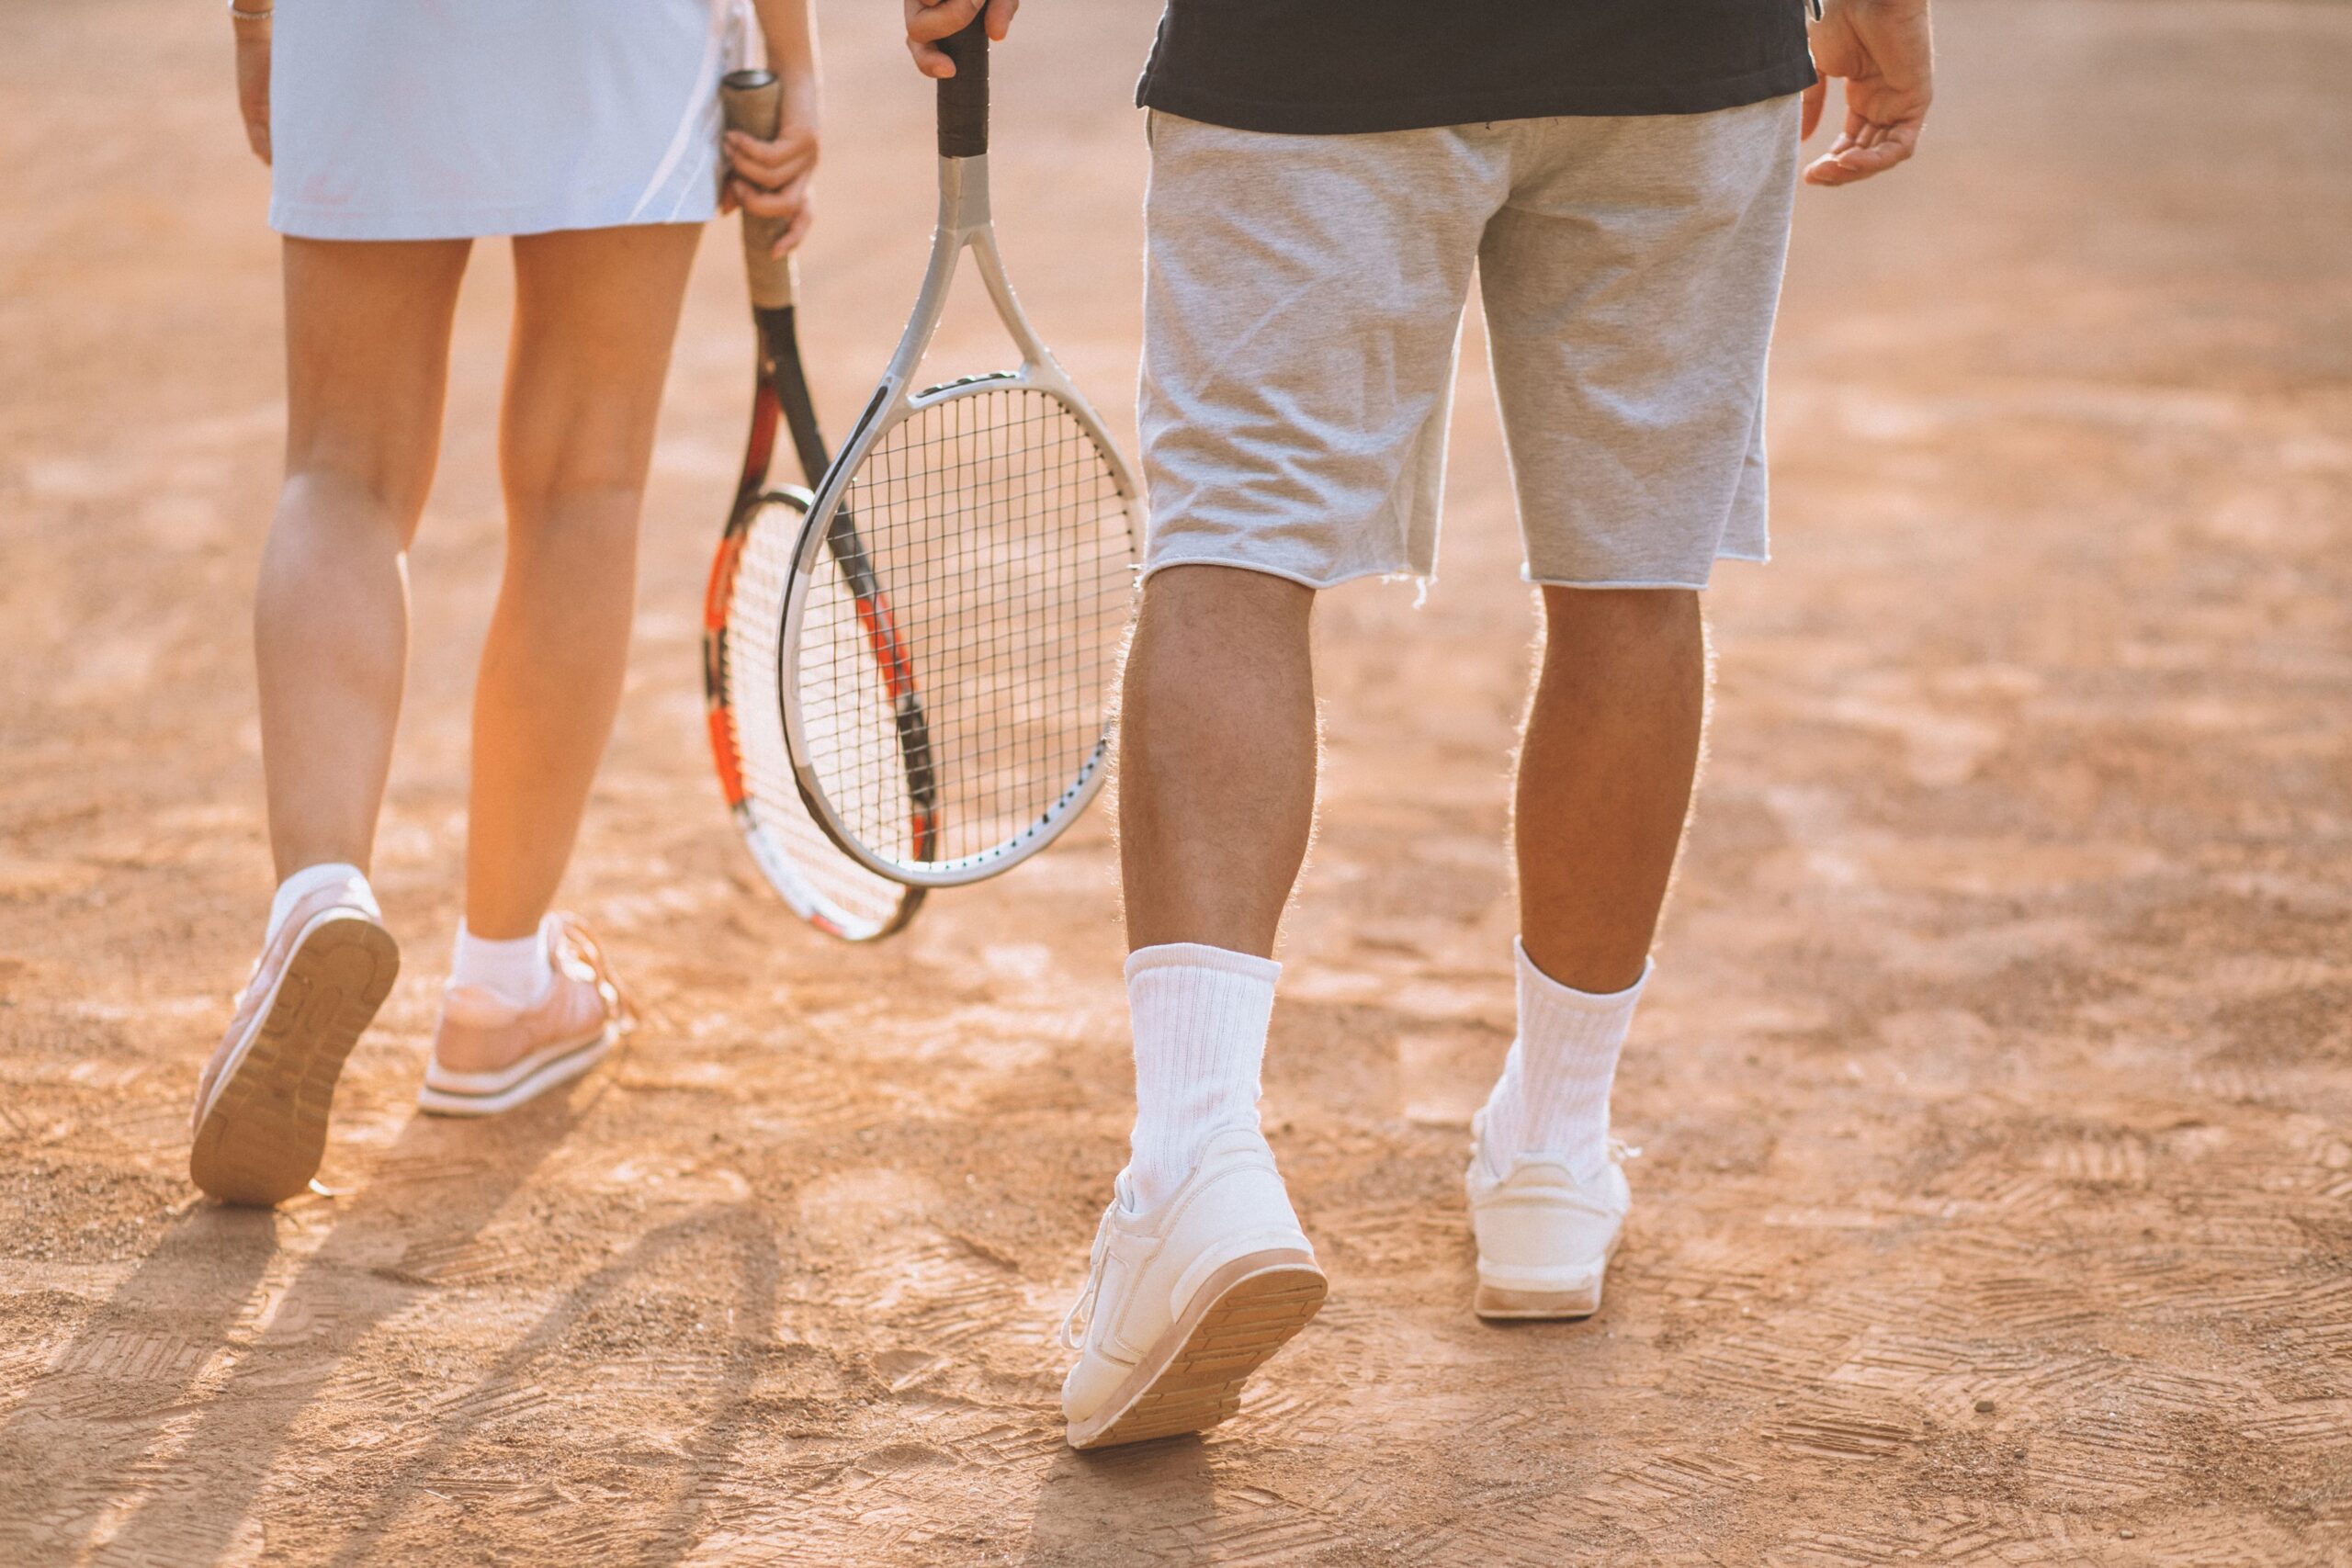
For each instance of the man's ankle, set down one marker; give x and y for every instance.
(1200, 1016)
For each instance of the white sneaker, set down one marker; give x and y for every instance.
(1183, 1304)
(1544, 1238)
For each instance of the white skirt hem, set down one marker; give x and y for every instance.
(300, 222)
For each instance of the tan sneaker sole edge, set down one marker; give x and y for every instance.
(1499, 1303)
(262, 1138)
(562, 1063)
(1193, 1378)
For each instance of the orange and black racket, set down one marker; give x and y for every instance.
(743, 617)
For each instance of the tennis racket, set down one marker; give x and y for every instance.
(996, 528)
(743, 614)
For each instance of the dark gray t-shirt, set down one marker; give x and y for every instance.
(1329, 66)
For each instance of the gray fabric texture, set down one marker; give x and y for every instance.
(1303, 300)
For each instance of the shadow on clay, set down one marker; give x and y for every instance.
(434, 1188)
(668, 1538)
(1154, 1503)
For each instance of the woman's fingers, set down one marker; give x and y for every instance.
(785, 202)
(772, 164)
(789, 241)
(769, 179)
(252, 86)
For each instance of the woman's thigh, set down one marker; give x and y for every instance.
(596, 312)
(368, 361)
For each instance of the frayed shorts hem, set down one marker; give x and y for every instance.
(1392, 573)
(1527, 575)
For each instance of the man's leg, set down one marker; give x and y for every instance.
(1216, 801)
(1292, 433)
(1629, 288)
(1216, 758)
(1200, 1270)
(1605, 770)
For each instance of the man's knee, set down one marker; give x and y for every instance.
(1636, 623)
(1203, 596)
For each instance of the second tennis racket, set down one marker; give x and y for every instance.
(998, 526)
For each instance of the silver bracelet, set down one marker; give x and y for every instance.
(243, 15)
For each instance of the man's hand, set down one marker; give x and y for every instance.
(928, 21)
(1882, 48)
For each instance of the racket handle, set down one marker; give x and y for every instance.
(963, 97)
(753, 101)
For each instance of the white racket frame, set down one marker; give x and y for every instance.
(965, 223)
(786, 870)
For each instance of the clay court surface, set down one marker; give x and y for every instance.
(1995, 1093)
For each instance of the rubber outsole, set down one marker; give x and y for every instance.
(1240, 1316)
(1502, 1304)
(261, 1140)
(1496, 1303)
(560, 1068)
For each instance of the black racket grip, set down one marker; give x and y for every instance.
(753, 101)
(963, 97)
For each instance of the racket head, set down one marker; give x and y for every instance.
(742, 617)
(982, 583)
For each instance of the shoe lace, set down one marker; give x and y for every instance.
(1621, 1151)
(575, 940)
(1080, 1315)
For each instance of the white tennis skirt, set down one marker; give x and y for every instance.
(438, 119)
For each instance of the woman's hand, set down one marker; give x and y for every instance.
(770, 179)
(928, 21)
(252, 78)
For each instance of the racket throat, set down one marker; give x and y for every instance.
(962, 197)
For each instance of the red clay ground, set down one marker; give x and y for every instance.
(1997, 1200)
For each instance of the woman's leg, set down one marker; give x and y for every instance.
(368, 341)
(595, 311)
(367, 352)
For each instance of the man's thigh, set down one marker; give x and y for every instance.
(1630, 286)
(1303, 299)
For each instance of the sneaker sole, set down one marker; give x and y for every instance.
(1246, 1312)
(265, 1131)
(563, 1065)
(1501, 1302)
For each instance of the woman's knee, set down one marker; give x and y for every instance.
(367, 346)
(596, 314)
(369, 475)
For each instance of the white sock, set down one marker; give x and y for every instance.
(309, 880)
(1200, 1017)
(1552, 1097)
(516, 971)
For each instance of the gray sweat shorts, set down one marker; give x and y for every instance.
(1302, 320)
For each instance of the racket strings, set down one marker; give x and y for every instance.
(807, 868)
(1001, 579)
